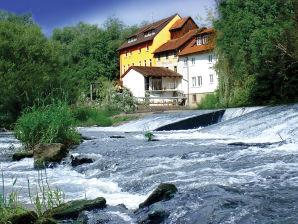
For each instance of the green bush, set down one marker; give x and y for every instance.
(210, 101)
(88, 116)
(46, 124)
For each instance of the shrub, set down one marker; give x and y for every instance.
(87, 116)
(46, 124)
(210, 101)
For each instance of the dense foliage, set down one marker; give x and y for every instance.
(257, 50)
(34, 67)
(46, 124)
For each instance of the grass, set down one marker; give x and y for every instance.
(88, 116)
(46, 124)
(45, 198)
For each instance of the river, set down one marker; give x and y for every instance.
(244, 169)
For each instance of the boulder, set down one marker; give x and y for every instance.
(21, 155)
(72, 209)
(79, 160)
(164, 191)
(154, 217)
(47, 153)
(28, 217)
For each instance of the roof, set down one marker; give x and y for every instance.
(157, 26)
(180, 23)
(153, 71)
(177, 43)
(192, 47)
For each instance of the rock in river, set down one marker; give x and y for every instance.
(164, 191)
(47, 153)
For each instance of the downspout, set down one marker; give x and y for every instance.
(187, 72)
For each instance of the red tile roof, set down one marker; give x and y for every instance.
(193, 48)
(157, 27)
(153, 71)
(179, 23)
(177, 43)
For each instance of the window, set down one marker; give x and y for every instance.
(199, 81)
(175, 53)
(125, 53)
(194, 81)
(158, 57)
(140, 63)
(156, 83)
(194, 98)
(167, 55)
(149, 33)
(193, 61)
(139, 50)
(205, 39)
(147, 47)
(127, 66)
(199, 41)
(150, 62)
(144, 62)
(211, 78)
(129, 53)
(210, 58)
(185, 61)
(132, 39)
(175, 68)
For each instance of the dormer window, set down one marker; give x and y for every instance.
(149, 33)
(199, 41)
(132, 39)
(205, 39)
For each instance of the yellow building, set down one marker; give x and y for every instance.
(138, 49)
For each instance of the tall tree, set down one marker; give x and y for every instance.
(257, 51)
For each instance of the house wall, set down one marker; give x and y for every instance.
(189, 25)
(202, 67)
(162, 37)
(135, 82)
(170, 63)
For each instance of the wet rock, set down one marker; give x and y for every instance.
(3, 130)
(164, 191)
(73, 208)
(117, 136)
(45, 153)
(154, 215)
(184, 156)
(28, 217)
(78, 160)
(87, 138)
(43, 220)
(21, 155)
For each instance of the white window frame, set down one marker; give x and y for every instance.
(199, 41)
(205, 39)
(185, 60)
(193, 61)
(129, 53)
(210, 58)
(200, 81)
(139, 50)
(147, 47)
(194, 81)
(211, 78)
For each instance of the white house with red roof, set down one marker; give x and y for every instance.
(196, 65)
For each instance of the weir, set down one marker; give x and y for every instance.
(194, 122)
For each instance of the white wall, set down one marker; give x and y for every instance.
(202, 67)
(135, 82)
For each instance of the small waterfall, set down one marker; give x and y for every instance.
(231, 113)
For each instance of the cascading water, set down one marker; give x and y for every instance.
(218, 182)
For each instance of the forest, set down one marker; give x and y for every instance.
(256, 48)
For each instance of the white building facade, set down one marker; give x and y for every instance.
(196, 65)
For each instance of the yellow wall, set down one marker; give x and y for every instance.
(162, 37)
(170, 62)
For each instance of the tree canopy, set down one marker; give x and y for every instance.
(257, 48)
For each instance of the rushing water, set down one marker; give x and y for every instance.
(218, 182)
